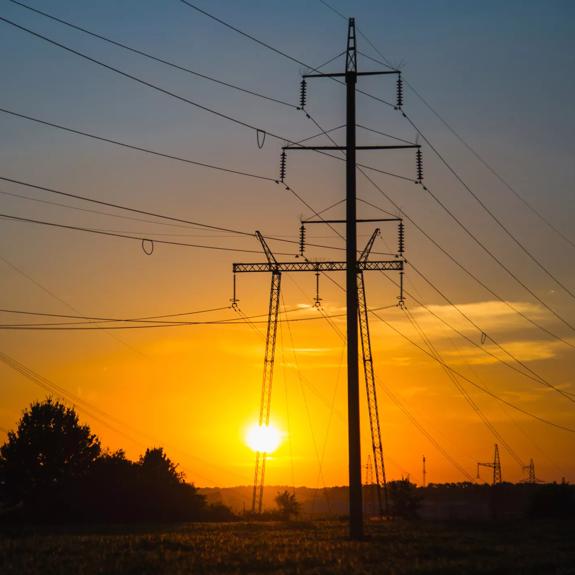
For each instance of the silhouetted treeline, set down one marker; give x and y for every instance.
(53, 469)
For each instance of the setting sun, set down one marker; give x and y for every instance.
(263, 438)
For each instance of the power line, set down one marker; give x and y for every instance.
(377, 187)
(138, 148)
(497, 220)
(433, 349)
(379, 132)
(479, 201)
(565, 288)
(176, 96)
(93, 411)
(498, 260)
(531, 375)
(459, 136)
(53, 295)
(148, 322)
(538, 378)
(179, 220)
(276, 50)
(109, 319)
(154, 58)
(140, 80)
(463, 267)
(101, 213)
(128, 236)
(478, 386)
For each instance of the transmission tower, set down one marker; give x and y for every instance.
(531, 477)
(371, 392)
(370, 499)
(424, 472)
(355, 292)
(495, 465)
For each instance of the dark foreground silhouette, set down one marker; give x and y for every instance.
(53, 469)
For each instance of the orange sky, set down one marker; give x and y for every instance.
(195, 389)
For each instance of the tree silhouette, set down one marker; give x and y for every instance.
(158, 468)
(55, 467)
(405, 500)
(288, 505)
(48, 450)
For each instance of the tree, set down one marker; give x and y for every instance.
(48, 450)
(158, 468)
(405, 500)
(163, 493)
(288, 505)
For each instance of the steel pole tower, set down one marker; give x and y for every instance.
(352, 266)
(354, 443)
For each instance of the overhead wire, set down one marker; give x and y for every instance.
(469, 147)
(66, 304)
(137, 148)
(395, 399)
(273, 49)
(152, 57)
(478, 386)
(126, 236)
(437, 358)
(171, 218)
(97, 414)
(502, 226)
(464, 268)
(558, 316)
(143, 82)
(149, 323)
(306, 406)
(529, 372)
(472, 403)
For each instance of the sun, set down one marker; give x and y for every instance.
(264, 438)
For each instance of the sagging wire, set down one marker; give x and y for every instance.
(148, 246)
(260, 138)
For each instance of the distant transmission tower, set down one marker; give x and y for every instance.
(495, 465)
(424, 472)
(531, 477)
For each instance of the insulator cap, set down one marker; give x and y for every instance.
(419, 157)
(302, 94)
(283, 166)
(399, 101)
(301, 240)
(401, 239)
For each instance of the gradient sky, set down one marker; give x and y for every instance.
(498, 72)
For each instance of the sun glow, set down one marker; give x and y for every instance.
(263, 438)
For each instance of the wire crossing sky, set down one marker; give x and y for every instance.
(133, 130)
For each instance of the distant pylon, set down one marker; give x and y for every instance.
(424, 472)
(370, 499)
(531, 478)
(495, 465)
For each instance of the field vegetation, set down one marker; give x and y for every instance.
(396, 547)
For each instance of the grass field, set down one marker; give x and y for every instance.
(307, 548)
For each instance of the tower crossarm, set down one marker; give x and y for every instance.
(324, 266)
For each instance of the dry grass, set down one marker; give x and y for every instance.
(315, 548)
